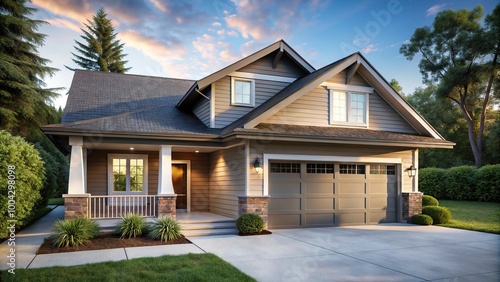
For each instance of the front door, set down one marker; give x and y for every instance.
(180, 182)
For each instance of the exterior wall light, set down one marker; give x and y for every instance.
(411, 171)
(257, 165)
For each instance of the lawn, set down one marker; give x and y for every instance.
(190, 267)
(477, 216)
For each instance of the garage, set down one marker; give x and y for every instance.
(310, 194)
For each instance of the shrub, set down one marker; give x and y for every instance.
(21, 170)
(422, 219)
(440, 215)
(429, 201)
(460, 183)
(487, 180)
(431, 182)
(249, 223)
(131, 225)
(50, 182)
(165, 228)
(74, 232)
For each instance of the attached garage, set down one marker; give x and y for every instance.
(309, 194)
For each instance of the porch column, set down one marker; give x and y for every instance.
(166, 195)
(76, 202)
(412, 205)
(254, 204)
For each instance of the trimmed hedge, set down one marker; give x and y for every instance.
(440, 215)
(465, 183)
(429, 201)
(422, 219)
(249, 223)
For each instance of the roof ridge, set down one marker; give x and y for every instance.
(133, 74)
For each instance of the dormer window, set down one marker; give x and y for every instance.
(242, 92)
(348, 108)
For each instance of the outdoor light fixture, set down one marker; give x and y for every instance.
(411, 171)
(257, 165)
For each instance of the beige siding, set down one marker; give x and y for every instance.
(199, 179)
(227, 180)
(225, 113)
(202, 109)
(286, 67)
(313, 109)
(257, 148)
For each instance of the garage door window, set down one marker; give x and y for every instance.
(383, 169)
(351, 169)
(319, 168)
(285, 168)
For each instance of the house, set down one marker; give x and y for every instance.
(268, 134)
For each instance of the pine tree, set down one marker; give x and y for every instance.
(23, 100)
(102, 51)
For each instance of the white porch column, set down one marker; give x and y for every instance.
(76, 184)
(165, 185)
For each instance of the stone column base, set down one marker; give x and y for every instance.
(254, 204)
(76, 205)
(412, 205)
(166, 205)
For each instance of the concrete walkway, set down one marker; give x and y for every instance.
(385, 252)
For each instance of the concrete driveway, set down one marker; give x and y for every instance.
(385, 252)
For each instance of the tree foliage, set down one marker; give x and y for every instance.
(460, 56)
(101, 51)
(23, 100)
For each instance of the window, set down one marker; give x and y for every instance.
(320, 168)
(127, 174)
(285, 168)
(348, 108)
(242, 92)
(383, 169)
(351, 169)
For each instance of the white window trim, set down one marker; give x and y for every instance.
(348, 107)
(252, 92)
(110, 173)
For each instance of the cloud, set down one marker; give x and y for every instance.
(370, 49)
(216, 53)
(434, 10)
(160, 6)
(79, 11)
(62, 23)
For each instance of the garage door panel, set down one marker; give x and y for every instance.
(320, 219)
(284, 220)
(320, 204)
(378, 202)
(285, 204)
(352, 203)
(286, 188)
(351, 188)
(351, 218)
(319, 188)
(378, 187)
(381, 217)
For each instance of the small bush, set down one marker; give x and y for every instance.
(488, 179)
(440, 215)
(422, 219)
(430, 182)
(165, 228)
(429, 201)
(74, 232)
(249, 223)
(131, 225)
(460, 183)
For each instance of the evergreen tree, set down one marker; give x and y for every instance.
(23, 100)
(101, 51)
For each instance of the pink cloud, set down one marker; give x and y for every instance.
(434, 10)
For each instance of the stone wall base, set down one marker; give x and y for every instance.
(76, 206)
(254, 204)
(166, 206)
(412, 205)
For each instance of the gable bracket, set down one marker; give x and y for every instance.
(351, 71)
(278, 56)
(204, 96)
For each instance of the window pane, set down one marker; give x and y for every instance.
(136, 175)
(119, 174)
(339, 106)
(357, 111)
(243, 91)
(285, 168)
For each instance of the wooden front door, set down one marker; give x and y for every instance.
(179, 180)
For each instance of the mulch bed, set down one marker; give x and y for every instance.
(263, 232)
(108, 241)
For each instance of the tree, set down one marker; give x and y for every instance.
(461, 57)
(23, 100)
(102, 51)
(396, 86)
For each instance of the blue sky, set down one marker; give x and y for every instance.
(191, 39)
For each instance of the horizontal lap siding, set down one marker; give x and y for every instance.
(199, 179)
(202, 109)
(227, 180)
(355, 80)
(384, 117)
(286, 67)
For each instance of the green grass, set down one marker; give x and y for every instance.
(56, 201)
(477, 216)
(190, 267)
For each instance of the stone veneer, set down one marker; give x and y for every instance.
(76, 206)
(412, 204)
(254, 204)
(166, 205)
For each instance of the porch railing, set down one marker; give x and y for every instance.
(117, 206)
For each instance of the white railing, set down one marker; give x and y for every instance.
(117, 206)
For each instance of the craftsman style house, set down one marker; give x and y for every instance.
(269, 134)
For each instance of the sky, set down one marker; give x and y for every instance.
(192, 39)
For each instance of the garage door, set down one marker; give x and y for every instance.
(307, 194)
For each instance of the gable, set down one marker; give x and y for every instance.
(267, 66)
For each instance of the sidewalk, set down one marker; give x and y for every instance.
(29, 240)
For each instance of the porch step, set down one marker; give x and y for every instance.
(207, 228)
